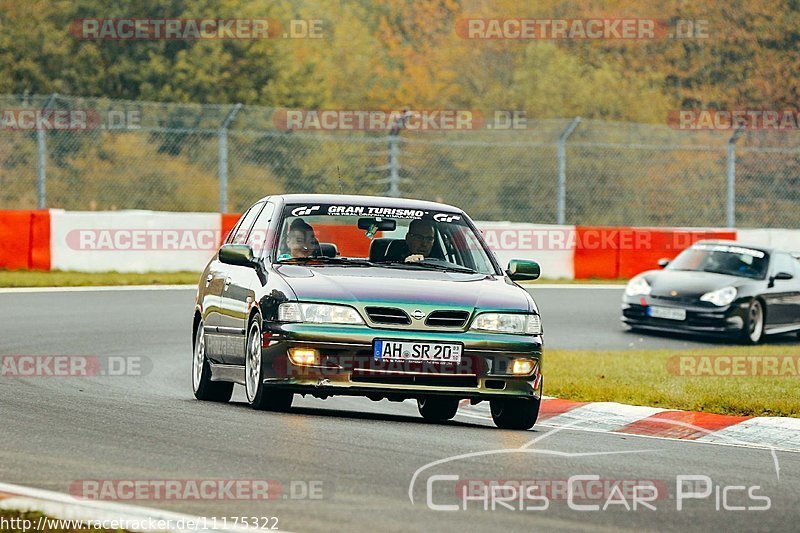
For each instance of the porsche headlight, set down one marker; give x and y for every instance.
(318, 313)
(637, 286)
(720, 297)
(508, 323)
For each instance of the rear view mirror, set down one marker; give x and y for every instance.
(521, 270)
(663, 262)
(383, 224)
(237, 254)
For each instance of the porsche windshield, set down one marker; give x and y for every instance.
(389, 236)
(723, 259)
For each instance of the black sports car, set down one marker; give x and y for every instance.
(718, 288)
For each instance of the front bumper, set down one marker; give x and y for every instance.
(701, 317)
(347, 367)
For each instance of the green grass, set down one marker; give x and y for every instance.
(16, 518)
(24, 278)
(642, 377)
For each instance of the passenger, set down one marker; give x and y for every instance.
(417, 245)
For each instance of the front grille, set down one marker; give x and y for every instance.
(447, 319)
(387, 315)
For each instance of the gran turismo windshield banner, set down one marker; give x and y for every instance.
(342, 210)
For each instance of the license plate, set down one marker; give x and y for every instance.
(417, 351)
(670, 313)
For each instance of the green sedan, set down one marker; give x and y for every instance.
(365, 296)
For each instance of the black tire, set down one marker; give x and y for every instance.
(515, 413)
(258, 395)
(753, 329)
(204, 388)
(437, 409)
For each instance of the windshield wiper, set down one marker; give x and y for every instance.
(430, 266)
(325, 260)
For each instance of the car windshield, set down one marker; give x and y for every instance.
(391, 237)
(723, 259)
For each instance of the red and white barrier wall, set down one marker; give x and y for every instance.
(142, 241)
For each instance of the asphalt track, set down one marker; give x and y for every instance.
(364, 455)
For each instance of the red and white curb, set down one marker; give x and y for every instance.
(133, 518)
(777, 433)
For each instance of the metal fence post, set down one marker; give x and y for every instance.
(394, 167)
(41, 149)
(223, 158)
(562, 169)
(731, 178)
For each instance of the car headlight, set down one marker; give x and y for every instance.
(318, 313)
(637, 286)
(720, 297)
(508, 323)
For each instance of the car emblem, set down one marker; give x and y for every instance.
(417, 314)
(673, 293)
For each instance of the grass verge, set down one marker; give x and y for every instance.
(27, 521)
(654, 378)
(57, 278)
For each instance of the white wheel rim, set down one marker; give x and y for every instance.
(756, 322)
(252, 365)
(199, 357)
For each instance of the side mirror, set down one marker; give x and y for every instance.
(663, 262)
(783, 275)
(522, 270)
(237, 254)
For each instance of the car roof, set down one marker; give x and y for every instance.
(728, 242)
(376, 201)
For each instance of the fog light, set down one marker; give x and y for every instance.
(303, 356)
(522, 367)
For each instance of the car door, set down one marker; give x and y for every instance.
(783, 293)
(216, 277)
(233, 301)
(210, 301)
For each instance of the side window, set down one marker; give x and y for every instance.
(259, 236)
(239, 234)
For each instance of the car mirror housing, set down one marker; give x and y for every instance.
(237, 254)
(522, 270)
(663, 262)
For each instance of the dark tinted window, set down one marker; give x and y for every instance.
(723, 259)
(239, 234)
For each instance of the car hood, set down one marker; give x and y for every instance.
(384, 286)
(689, 284)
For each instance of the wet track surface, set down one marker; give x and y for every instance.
(361, 458)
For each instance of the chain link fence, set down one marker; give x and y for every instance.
(179, 157)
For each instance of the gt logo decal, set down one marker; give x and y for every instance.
(443, 217)
(304, 210)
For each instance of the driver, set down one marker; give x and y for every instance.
(300, 240)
